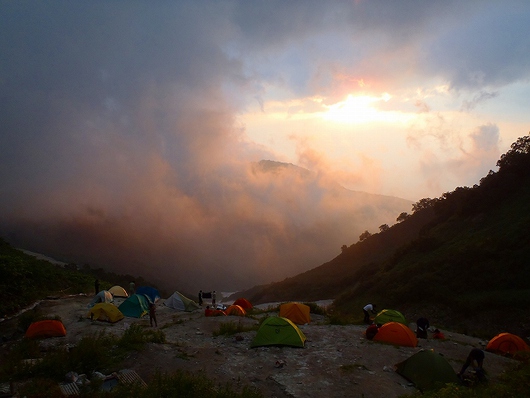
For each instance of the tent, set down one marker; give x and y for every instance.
(180, 302)
(105, 312)
(276, 330)
(296, 312)
(103, 296)
(46, 328)
(152, 294)
(243, 303)
(386, 315)
(235, 310)
(427, 370)
(507, 344)
(118, 291)
(136, 306)
(396, 333)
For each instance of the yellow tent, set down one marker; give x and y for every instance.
(105, 312)
(296, 312)
(118, 291)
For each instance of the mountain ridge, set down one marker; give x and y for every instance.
(462, 258)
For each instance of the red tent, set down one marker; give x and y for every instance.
(235, 310)
(244, 303)
(396, 333)
(45, 328)
(507, 343)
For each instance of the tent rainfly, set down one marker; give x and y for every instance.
(180, 302)
(278, 331)
(296, 312)
(235, 310)
(106, 312)
(396, 333)
(103, 296)
(243, 303)
(507, 344)
(118, 291)
(386, 315)
(136, 306)
(427, 370)
(46, 328)
(152, 294)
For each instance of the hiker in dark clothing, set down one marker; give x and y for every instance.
(200, 297)
(152, 314)
(422, 325)
(96, 286)
(476, 355)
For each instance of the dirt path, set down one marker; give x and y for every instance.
(337, 361)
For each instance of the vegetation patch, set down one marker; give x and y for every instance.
(351, 367)
(184, 385)
(100, 352)
(231, 328)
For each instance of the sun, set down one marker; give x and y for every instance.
(359, 109)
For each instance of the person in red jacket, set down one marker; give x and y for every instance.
(208, 311)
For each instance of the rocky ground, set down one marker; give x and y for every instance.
(337, 361)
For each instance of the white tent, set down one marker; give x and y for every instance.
(180, 302)
(103, 296)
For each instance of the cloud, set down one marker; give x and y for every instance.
(477, 99)
(121, 144)
(478, 153)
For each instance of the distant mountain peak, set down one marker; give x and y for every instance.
(273, 166)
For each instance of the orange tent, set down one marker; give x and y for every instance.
(396, 333)
(45, 328)
(218, 313)
(296, 312)
(507, 343)
(235, 310)
(243, 303)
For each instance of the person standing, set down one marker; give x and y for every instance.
(213, 299)
(131, 288)
(200, 298)
(422, 324)
(96, 286)
(152, 314)
(366, 308)
(476, 355)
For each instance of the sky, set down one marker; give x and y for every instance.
(130, 130)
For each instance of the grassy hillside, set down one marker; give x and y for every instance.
(25, 279)
(462, 260)
(333, 277)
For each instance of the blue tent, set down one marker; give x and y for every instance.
(152, 294)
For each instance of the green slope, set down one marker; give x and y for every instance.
(463, 259)
(25, 278)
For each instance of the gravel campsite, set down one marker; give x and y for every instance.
(337, 360)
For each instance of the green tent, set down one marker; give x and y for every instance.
(277, 330)
(136, 306)
(427, 370)
(387, 315)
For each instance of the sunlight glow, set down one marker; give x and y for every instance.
(361, 110)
